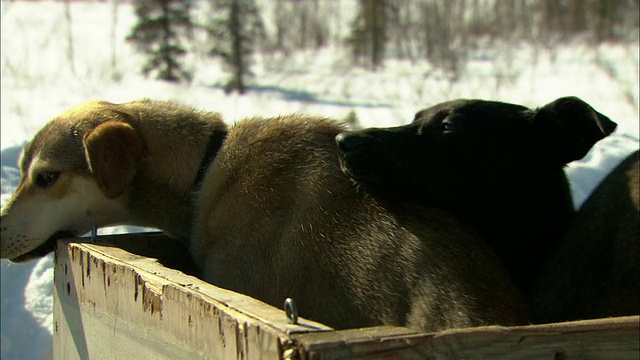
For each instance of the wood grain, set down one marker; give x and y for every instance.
(113, 299)
(112, 304)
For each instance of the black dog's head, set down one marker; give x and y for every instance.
(471, 146)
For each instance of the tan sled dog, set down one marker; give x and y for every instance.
(273, 217)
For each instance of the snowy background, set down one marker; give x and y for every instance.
(39, 82)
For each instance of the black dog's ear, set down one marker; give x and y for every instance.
(571, 127)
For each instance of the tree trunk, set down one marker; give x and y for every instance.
(114, 25)
(70, 51)
(237, 48)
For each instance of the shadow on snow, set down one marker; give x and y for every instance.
(304, 96)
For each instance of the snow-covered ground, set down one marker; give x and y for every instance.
(38, 82)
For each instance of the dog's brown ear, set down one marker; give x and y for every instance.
(112, 150)
(571, 127)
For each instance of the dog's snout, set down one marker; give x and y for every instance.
(348, 143)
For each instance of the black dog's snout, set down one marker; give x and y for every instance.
(348, 142)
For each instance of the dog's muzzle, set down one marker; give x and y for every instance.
(45, 248)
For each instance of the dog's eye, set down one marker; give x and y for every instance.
(447, 126)
(46, 179)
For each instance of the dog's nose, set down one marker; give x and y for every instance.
(348, 142)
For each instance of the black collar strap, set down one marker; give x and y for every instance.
(215, 143)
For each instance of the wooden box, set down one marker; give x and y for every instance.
(120, 297)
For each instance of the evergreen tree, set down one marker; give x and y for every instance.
(236, 27)
(161, 28)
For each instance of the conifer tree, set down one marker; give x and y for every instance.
(235, 29)
(161, 29)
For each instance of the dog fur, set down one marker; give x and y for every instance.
(105, 156)
(273, 217)
(498, 167)
(595, 270)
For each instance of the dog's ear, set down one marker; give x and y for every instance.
(571, 127)
(112, 150)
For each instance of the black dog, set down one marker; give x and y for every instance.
(496, 166)
(595, 271)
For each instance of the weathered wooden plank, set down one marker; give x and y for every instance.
(111, 304)
(615, 338)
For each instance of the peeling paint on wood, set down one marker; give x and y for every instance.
(106, 308)
(110, 303)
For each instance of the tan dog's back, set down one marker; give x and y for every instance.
(276, 218)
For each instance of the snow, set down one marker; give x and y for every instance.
(39, 83)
